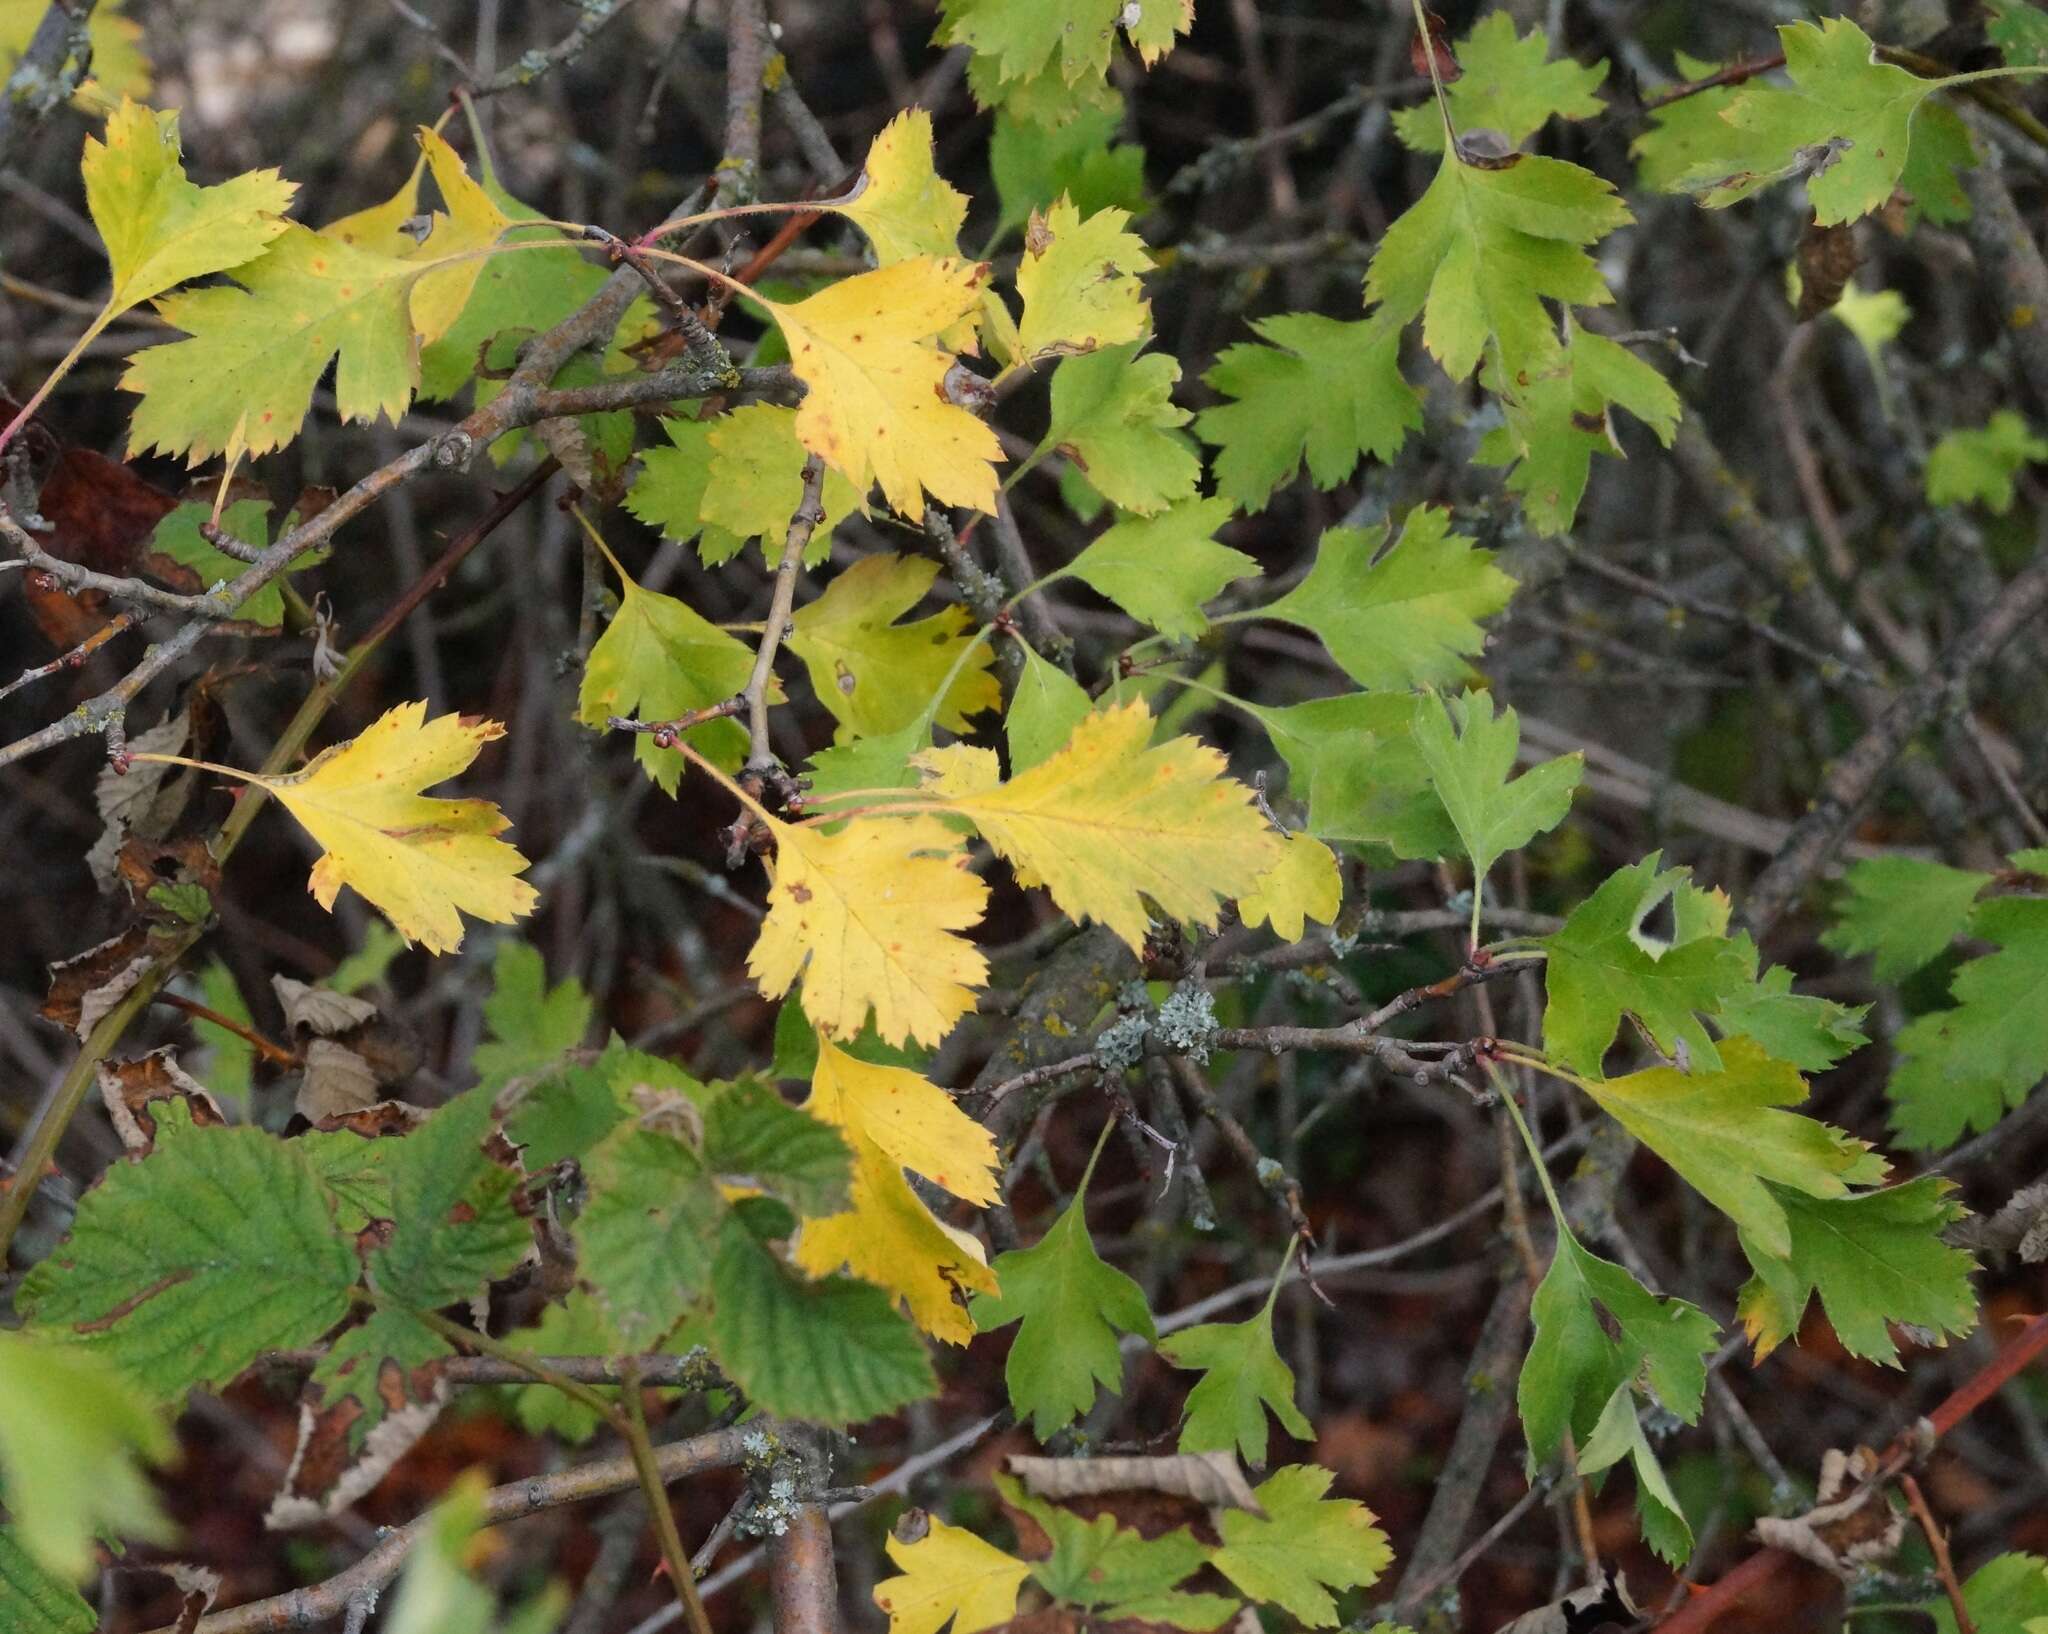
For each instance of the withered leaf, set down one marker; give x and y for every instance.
(86, 986)
(1211, 1479)
(128, 1088)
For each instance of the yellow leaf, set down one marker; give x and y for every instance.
(161, 229)
(877, 676)
(875, 407)
(1305, 885)
(894, 1119)
(1079, 283)
(868, 917)
(245, 377)
(901, 202)
(908, 1117)
(949, 1572)
(1106, 818)
(417, 859)
(958, 769)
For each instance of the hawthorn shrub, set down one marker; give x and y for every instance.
(1051, 834)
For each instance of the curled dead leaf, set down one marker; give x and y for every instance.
(1850, 1525)
(84, 987)
(1211, 1479)
(129, 1087)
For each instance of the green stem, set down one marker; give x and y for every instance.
(65, 364)
(1506, 1092)
(634, 1428)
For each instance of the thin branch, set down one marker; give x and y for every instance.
(1937, 1541)
(58, 56)
(592, 19)
(810, 511)
(1854, 777)
(308, 1607)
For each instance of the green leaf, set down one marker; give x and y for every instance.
(185, 1267)
(1398, 615)
(1810, 1033)
(1478, 255)
(1724, 1132)
(1355, 760)
(526, 292)
(876, 675)
(1303, 1546)
(2020, 32)
(575, 1327)
(835, 1349)
(1966, 1067)
(752, 1134)
(1493, 811)
(1097, 1563)
(755, 483)
(644, 1240)
(1903, 910)
(32, 1601)
(454, 1227)
(1942, 147)
(1045, 706)
(659, 659)
(1032, 166)
(1069, 40)
(1242, 1376)
(230, 1058)
(73, 1437)
(1113, 415)
(1071, 1305)
(1554, 424)
(531, 1023)
(177, 540)
(1577, 1360)
(1599, 970)
(2006, 1592)
(1981, 463)
(1690, 135)
(1874, 1259)
(1507, 85)
(1161, 569)
(1323, 391)
(1856, 111)
(354, 1171)
(669, 493)
(564, 1115)
(1619, 1435)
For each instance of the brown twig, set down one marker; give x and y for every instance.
(276, 1054)
(1758, 1574)
(1937, 1541)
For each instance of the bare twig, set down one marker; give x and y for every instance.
(1937, 1541)
(59, 54)
(810, 511)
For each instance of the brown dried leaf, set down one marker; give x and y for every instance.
(1438, 43)
(318, 1010)
(86, 986)
(1594, 1609)
(1211, 1479)
(384, 1118)
(1828, 259)
(99, 514)
(1840, 1533)
(324, 1477)
(337, 1081)
(128, 1088)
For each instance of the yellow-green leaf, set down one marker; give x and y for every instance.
(1079, 281)
(901, 202)
(161, 229)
